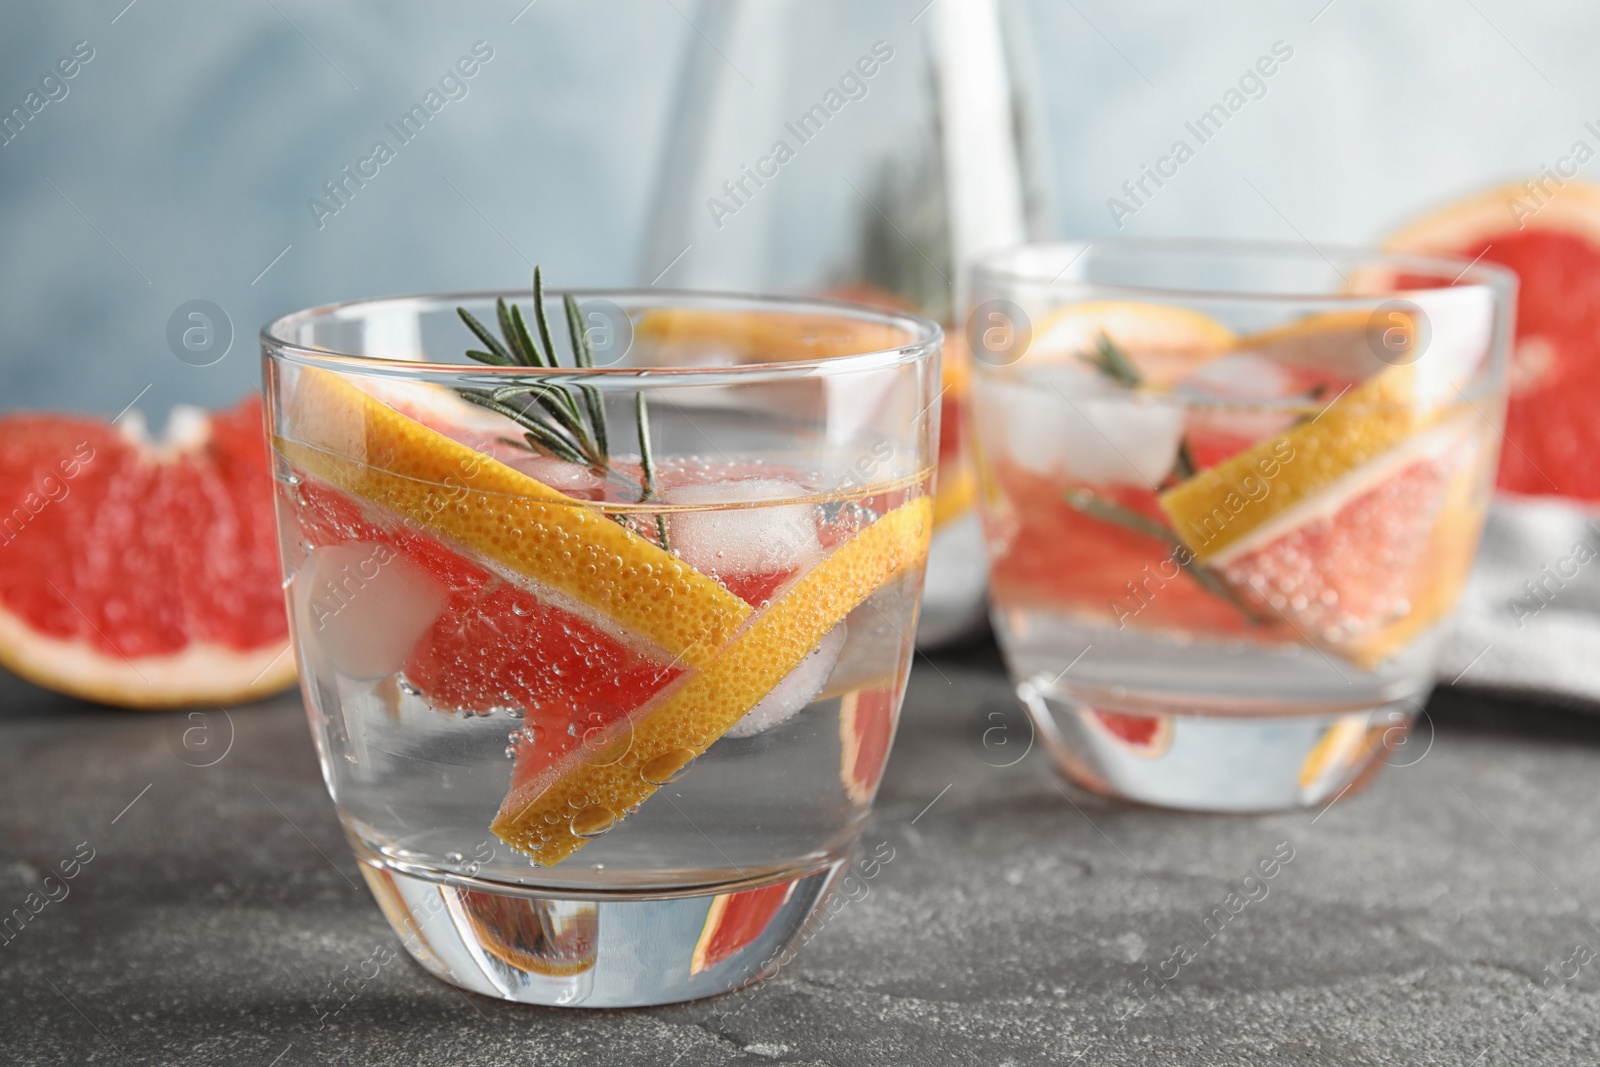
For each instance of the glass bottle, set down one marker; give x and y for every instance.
(867, 152)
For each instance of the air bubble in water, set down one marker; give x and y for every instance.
(667, 767)
(592, 821)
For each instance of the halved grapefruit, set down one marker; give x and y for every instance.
(138, 573)
(1551, 239)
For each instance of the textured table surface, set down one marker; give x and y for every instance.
(1414, 924)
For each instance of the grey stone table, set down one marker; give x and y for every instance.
(1441, 917)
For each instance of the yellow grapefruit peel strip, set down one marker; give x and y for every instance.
(363, 446)
(767, 338)
(1219, 507)
(706, 704)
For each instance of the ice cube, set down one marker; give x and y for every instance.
(361, 608)
(1240, 376)
(798, 688)
(1223, 390)
(739, 536)
(1059, 420)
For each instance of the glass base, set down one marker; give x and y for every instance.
(1220, 763)
(599, 950)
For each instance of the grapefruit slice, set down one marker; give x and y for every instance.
(1218, 509)
(748, 337)
(355, 442)
(735, 921)
(1345, 567)
(1146, 736)
(550, 814)
(1165, 343)
(486, 642)
(141, 574)
(1552, 241)
(530, 935)
(866, 729)
(1338, 526)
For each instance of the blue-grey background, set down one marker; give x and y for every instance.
(179, 164)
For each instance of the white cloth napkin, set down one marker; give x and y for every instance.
(1529, 618)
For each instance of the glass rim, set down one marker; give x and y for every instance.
(925, 337)
(998, 265)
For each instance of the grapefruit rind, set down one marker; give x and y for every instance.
(355, 442)
(1573, 208)
(1218, 508)
(203, 674)
(767, 338)
(536, 818)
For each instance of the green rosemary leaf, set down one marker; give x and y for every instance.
(540, 319)
(546, 440)
(519, 327)
(597, 418)
(582, 355)
(544, 394)
(1109, 511)
(523, 357)
(1184, 467)
(556, 401)
(502, 357)
(1114, 363)
(647, 465)
(528, 420)
(559, 426)
(647, 461)
(1214, 584)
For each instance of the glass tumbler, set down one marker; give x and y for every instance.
(603, 631)
(1230, 495)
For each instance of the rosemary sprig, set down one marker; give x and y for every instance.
(1109, 359)
(554, 424)
(1109, 511)
(1113, 362)
(647, 464)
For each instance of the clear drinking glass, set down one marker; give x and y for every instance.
(603, 664)
(1230, 495)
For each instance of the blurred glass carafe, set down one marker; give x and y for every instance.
(866, 152)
